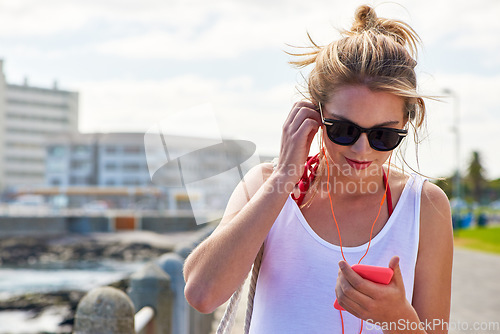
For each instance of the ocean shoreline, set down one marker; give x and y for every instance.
(32, 252)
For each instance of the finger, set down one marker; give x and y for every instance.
(304, 136)
(307, 126)
(307, 104)
(298, 106)
(295, 109)
(397, 277)
(311, 136)
(362, 285)
(303, 114)
(350, 299)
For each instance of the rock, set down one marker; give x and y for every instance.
(20, 251)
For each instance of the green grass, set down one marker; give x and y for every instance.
(483, 239)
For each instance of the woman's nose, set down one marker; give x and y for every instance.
(361, 145)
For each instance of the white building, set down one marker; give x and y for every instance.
(87, 167)
(118, 160)
(27, 116)
(96, 159)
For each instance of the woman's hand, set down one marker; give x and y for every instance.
(370, 301)
(299, 129)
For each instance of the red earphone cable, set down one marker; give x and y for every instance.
(379, 209)
(331, 205)
(333, 213)
(337, 225)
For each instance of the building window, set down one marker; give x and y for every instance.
(14, 173)
(131, 182)
(78, 180)
(131, 167)
(111, 166)
(81, 149)
(37, 118)
(79, 164)
(23, 160)
(55, 182)
(132, 149)
(111, 149)
(110, 182)
(56, 151)
(55, 166)
(39, 104)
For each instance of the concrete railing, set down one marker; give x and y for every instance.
(144, 320)
(108, 221)
(155, 302)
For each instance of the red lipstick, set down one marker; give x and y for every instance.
(358, 164)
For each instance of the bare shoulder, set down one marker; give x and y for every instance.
(254, 179)
(246, 189)
(435, 204)
(259, 173)
(435, 219)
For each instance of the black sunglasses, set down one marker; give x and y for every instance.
(346, 133)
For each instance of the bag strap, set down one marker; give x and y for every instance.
(252, 289)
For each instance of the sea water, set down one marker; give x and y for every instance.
(81, 276)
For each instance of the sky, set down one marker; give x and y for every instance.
(135, 63)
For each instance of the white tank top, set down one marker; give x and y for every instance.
(296, 284)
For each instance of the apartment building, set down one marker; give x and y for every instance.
(101, 161)
(28, 115)
(97, 159)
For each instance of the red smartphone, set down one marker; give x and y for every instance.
(381, 275)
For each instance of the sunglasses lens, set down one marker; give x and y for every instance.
(346, 133)
(383, 140)
(343, 133)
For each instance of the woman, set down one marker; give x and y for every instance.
(352, 208)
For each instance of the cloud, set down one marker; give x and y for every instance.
(182, 30)
(220, 29)
(33, 18)
(478, 117)
(233, 30)
(95, 35)
(243, 110)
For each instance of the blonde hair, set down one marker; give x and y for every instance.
(378, 53)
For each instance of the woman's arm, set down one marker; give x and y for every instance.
(216, 268)
(432, 288)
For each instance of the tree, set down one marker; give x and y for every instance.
(475, 177)
(446, 184)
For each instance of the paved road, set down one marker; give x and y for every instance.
(475, 295)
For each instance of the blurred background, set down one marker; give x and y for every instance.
(83, 81)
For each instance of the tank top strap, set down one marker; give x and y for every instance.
(390, 208)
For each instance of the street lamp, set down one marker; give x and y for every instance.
(456, 129)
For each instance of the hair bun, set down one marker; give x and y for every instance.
(364, 19)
